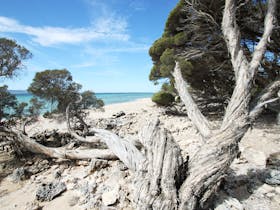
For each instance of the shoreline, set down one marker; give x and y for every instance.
(137, 106)
(108, 98)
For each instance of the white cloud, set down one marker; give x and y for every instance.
(104, 28)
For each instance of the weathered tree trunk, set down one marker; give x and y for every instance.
(163, 178)
(159, 177)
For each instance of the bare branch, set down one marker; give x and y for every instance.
(238, 108)
(92, 139)
(262, 45)
(125, 150)
(24, 125)
(265, 98)
(122, 148)
(61, 153)
(195, 115)
(232, 36)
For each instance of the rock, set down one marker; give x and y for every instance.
(230, 204)
(39, 166)
(49, 191)
(88, 196)
(97, 164)
(272, 177)
(87, 188)
(273, 161)
(119, 114)
(20, 174)
(110, 198)
(57, 174)
(122, 167)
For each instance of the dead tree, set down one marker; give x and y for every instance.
(163, 178)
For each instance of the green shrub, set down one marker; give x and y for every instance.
(180, 39)
(163, 98)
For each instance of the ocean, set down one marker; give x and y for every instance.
(108, 98)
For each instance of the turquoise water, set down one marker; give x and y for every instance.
(108, 98)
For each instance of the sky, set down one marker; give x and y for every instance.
(103, 43)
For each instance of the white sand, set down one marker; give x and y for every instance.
(137, 106)
(255, 146)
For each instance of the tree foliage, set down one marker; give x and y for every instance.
(90, 100)
(11, 57)
(35, 106)
(163, 98)
(20, 111)
(193, 36)
(8, 102)
(55, 86)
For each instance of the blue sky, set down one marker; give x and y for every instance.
(103, 43)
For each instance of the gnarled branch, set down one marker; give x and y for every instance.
(160, 176)
(195, 115)
(264, 99)
(61, 152)
(238, 108)
(125, 150)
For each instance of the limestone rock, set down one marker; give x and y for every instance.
(119, 114)
(110, 198)
(49, 191)
(273, 161)
(20, 174)
(273, 177)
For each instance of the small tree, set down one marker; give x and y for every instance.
(20, 110)
(89, 100)
(8, 102)
(55, 86)
(35, 106)
(11, 57)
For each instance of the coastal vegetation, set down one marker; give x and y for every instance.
(54, 86)
(206, 49)
(193, 37)
(11, 57)
(57, 86)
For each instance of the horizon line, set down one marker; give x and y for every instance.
(93, 91)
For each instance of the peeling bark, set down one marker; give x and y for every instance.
(157, 181)
(162, 178)
(195, 115)
(61, 152)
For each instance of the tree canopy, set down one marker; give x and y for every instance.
(55, 86)
(11, 57)
(58, 86)
(7, 103)
(89, 100)
(193, 36)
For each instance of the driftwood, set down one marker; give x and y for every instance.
(163, 179)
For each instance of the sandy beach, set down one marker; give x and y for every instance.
(107, 188)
